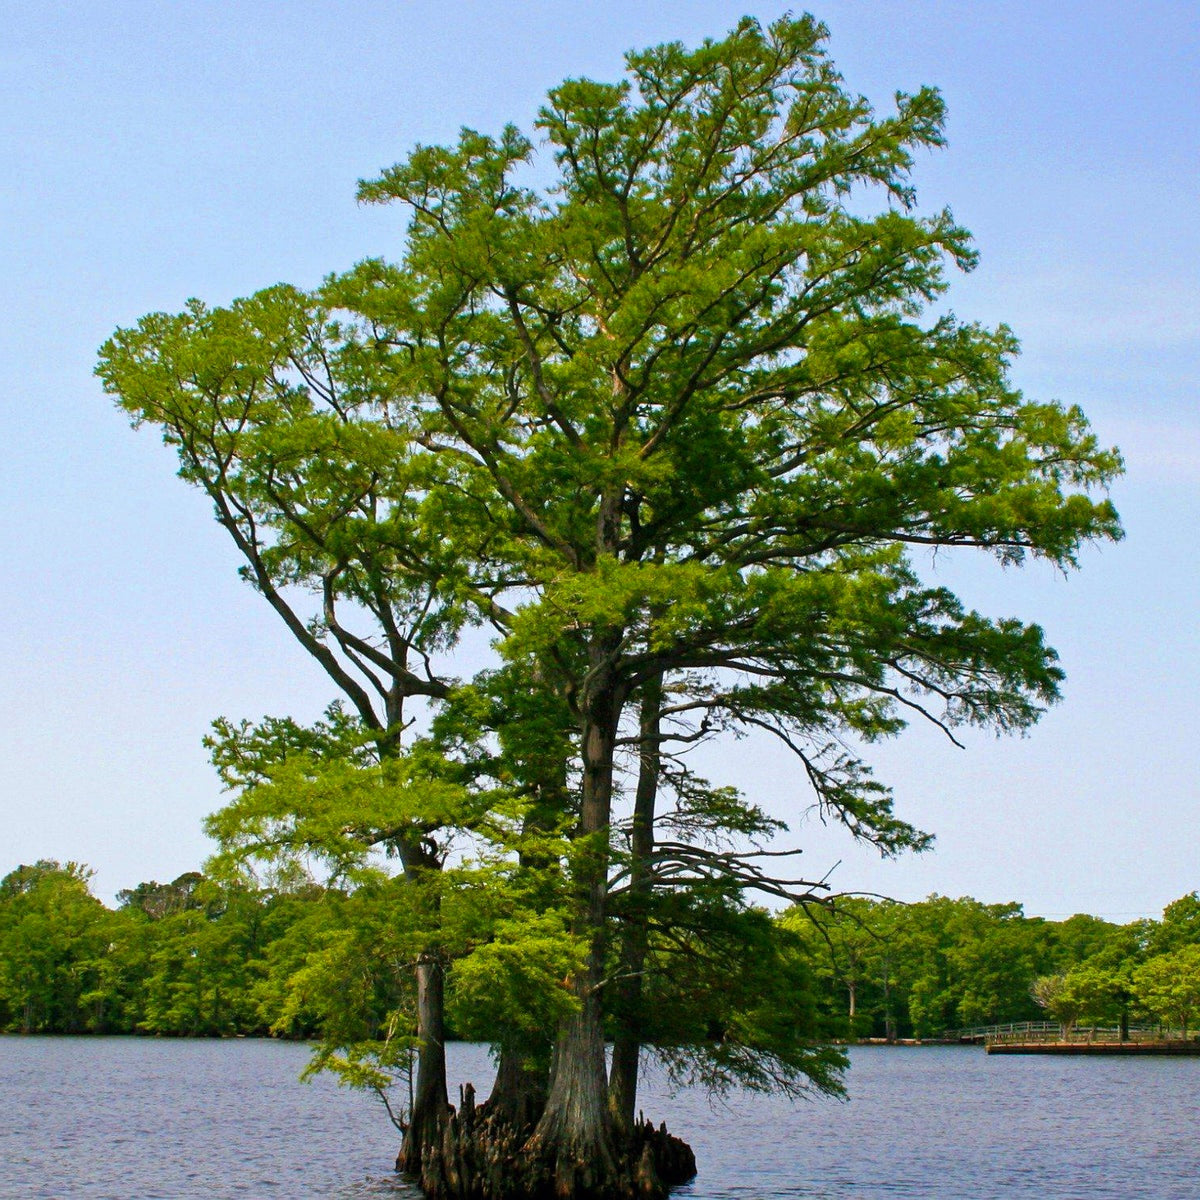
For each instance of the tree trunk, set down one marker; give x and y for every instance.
(573, 1144)
(575, 1151)
(518, 1096)
(430, 1107)
(635, 934)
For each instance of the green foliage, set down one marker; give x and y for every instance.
(332, 810)
(1083, 937)
(54, 936)
(1058, 998)
(1099, 994)
(158, 900)
(729, 1001)
(733, 998)
(197, 980)
(1180, 925)
(687, 402)
(343, 972)
(514, 983)
(675, 424)
(893, 970)
(379, 1067)
(1168, 985)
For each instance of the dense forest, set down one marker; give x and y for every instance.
(197, 957)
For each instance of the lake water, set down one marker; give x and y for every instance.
(137, 1119)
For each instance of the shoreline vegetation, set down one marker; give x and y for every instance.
(201, 958)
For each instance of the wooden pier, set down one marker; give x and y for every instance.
(1048, 1037)
(1173, 1046)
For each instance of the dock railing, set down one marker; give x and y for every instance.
(1052, 1031)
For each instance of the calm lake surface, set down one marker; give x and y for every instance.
(136, 1119)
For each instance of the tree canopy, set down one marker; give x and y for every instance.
(673, 409)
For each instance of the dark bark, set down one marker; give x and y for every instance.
(574, 1144)
(518, 1096)
(627, 1043)
(574, 1141)
(430, 1106)
(481, 1158)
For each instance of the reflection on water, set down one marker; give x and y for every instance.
(122, 1118)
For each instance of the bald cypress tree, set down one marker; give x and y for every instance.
(695, 383)
(682, 414)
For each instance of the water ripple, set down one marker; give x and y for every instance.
(142, 1119)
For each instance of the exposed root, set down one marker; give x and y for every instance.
(482, 1157)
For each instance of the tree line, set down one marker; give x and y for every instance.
(198, 957)
(202, 958)
(924, 970)
(668, 411)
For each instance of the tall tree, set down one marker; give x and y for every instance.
(679, 423)
(694, 383)
(54, 935)
(311, 474)
(1168, 985)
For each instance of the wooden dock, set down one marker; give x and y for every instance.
(1175, 1046)
(1049, 1037)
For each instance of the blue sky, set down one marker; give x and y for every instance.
(154, 152)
